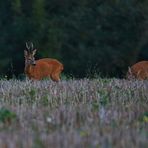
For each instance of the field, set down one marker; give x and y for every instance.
(98, 113)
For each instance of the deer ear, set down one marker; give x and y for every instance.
(25, 53)
(34, 52)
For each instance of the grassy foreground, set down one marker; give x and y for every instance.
(99, 113)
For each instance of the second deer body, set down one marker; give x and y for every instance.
(138, 71)
(42, 68)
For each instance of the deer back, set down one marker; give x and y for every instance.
(44, 68)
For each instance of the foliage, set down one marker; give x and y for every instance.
(76, 113)
(144, 117)
(6, 116)
(95, 36)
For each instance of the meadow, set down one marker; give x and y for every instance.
(85, 113)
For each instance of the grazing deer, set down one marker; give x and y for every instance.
(42, 68)
(138, 71)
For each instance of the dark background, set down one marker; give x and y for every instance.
(88, 36)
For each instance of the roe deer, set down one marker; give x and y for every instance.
(42, 68)
(138, 71)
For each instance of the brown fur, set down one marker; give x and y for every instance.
(44, 68)
(138, 71)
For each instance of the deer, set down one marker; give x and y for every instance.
(138, 71)
(42, 68)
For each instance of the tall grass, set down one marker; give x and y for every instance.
(74, 113)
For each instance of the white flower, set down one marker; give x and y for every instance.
(49, 119)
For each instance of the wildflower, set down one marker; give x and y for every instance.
(49, 119)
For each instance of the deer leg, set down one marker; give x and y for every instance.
(55, 76)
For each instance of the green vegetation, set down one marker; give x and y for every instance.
(77, 113)
(87, 36)
(6, 116)
(94, 39)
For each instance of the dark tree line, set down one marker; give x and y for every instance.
(88, 36)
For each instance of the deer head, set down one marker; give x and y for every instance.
(29, 53)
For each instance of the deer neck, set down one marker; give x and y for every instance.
(29, 69)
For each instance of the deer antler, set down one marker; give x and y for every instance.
(31, 45)
(27, 46)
